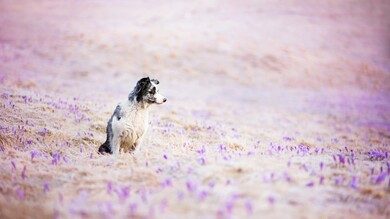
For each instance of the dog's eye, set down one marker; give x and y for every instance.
(152, 91)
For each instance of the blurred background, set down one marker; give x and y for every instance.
(242, 53)
(258, 44)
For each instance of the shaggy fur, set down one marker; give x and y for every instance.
(129, 122)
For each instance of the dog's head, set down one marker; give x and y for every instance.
(147, 91)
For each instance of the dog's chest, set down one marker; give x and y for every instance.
(135, 120)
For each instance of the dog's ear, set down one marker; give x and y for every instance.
(142, 88)
(143, 81)
(155, 81)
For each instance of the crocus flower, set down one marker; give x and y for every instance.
(381, 177)
(20, 193)
(23, 175)
(271, 200)
(46, 187)
(353, 182)
(248, 207)
(310, 184)
(13, 165)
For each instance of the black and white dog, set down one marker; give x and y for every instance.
(128, 124)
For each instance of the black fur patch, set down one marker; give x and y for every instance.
(105, 147)
(118, 112)
(153, 91)
(142, 88)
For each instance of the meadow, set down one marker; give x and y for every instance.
(276, 109)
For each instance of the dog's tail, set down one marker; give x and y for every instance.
(105, 148)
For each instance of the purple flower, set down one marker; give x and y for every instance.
(165, 157)
(60, 198)
(229, 207)
(90, 156)
(310, 184)
(286, 177)
(56, 214)
(222, 148)
(220, 213)
(5, 96)
(110, 208)
(203, 194)
(201, 151)
(109, 187)
(202, 161)
(166, 183)
(33, 154)
(305, 167)
(271, 200)
(353, 182)
(133, 208)
(191, 187)
(180, 195)
(248, 207)
(23, 175)
(339, 181)
(123, 193)
(143, 194)
(228, 182)
(46, 187)
(341, 159)
(20, 193)
(13, 165)
(322, 180)
(56, 158)
(381, 177)
(321, 165)
(377, 154)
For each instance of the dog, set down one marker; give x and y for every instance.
(129, 122)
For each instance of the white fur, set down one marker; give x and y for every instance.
(159, 98)
(129, 122)
(129, 131)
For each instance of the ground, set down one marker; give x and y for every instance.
(276, 109)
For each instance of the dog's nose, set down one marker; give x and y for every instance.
(165, 100)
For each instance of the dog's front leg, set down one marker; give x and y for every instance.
(137, 143)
